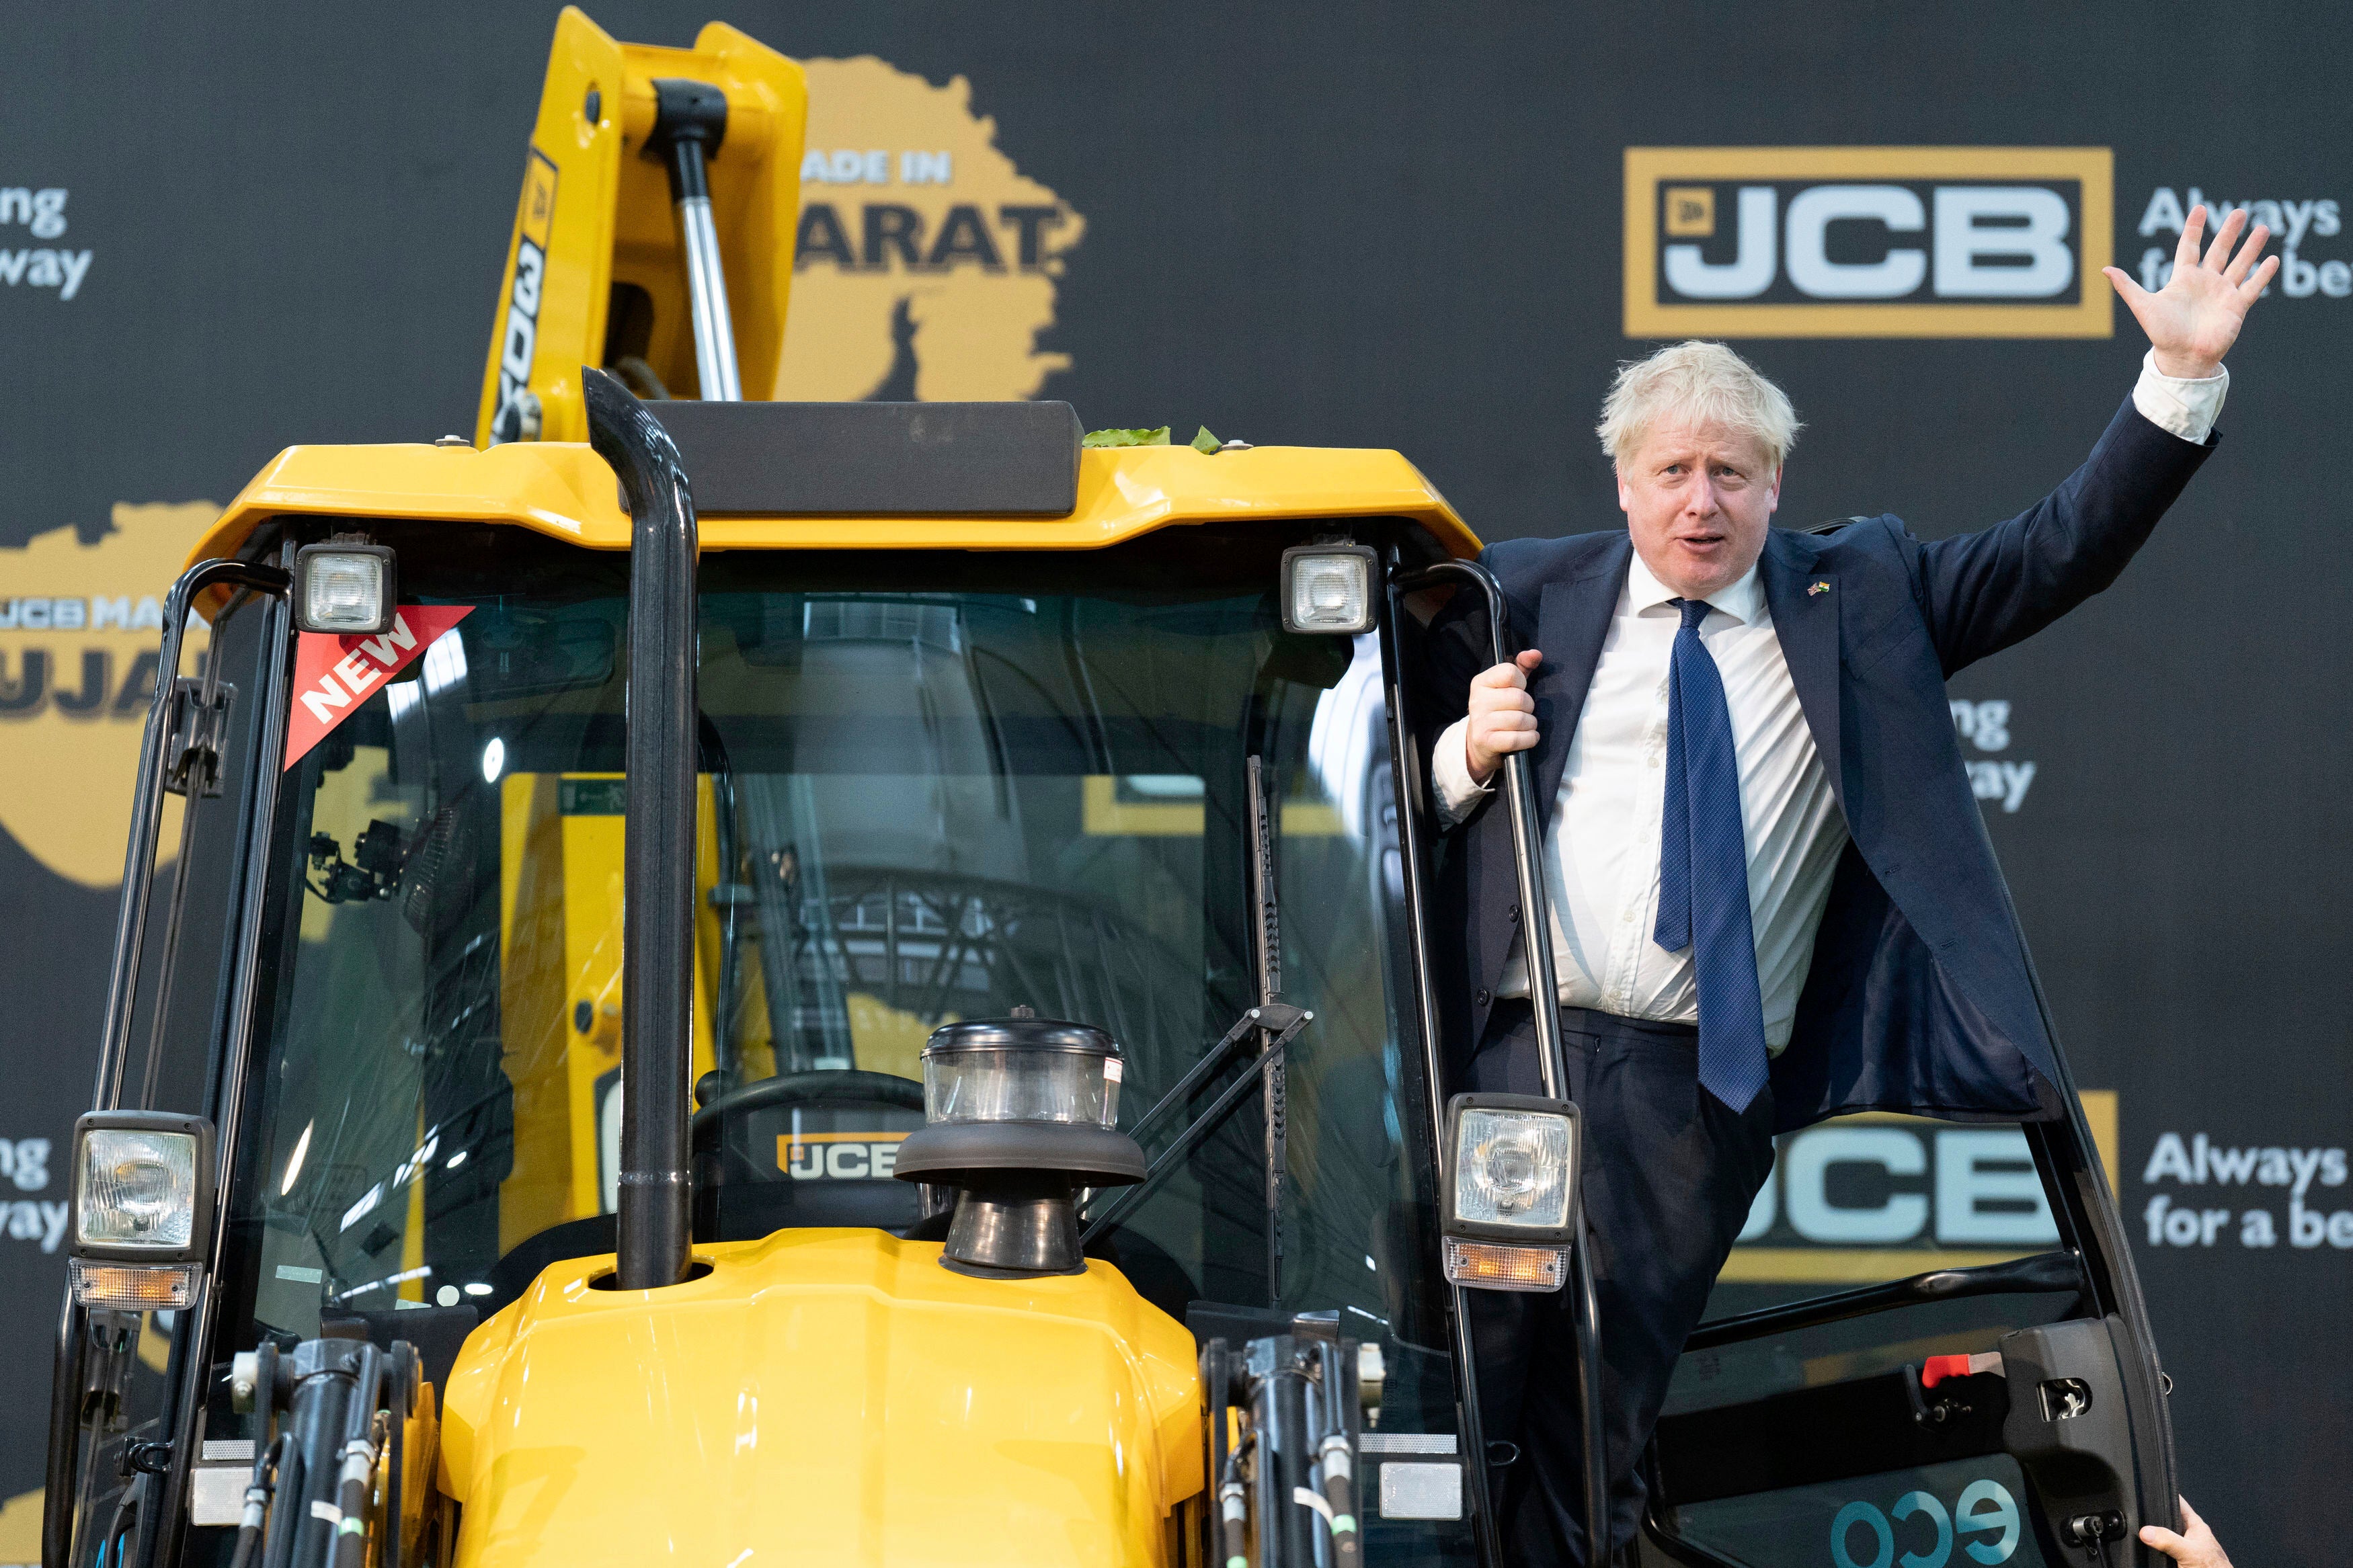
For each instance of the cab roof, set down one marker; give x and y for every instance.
(564, 489)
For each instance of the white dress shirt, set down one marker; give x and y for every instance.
(1601, 847)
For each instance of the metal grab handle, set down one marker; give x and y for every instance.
(121, 992)
(1552, 1053)
(147, 810)
(1527, 837)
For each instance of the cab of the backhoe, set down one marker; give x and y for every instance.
(1081, 757)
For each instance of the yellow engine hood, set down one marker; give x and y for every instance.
(823, 1396)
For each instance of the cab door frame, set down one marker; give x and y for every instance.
(2093, 1258)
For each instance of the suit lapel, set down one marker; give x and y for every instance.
(1572, 621)
(1804, 600)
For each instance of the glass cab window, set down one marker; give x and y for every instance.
(932, 788)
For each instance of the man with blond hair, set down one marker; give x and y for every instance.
(1773, 899)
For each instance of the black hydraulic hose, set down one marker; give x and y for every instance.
(257, 1493)
(1278, 1412)
(1336, 1456)
(655, 1235)
(358, 1455)
(1234, 1503)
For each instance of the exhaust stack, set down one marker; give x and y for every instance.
(657, 867)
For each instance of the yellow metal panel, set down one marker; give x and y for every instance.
(552, 294)
(592, 850)
(565, 489)
(823, 1397)
(560, 948)
(536, 983)
(1103, 815)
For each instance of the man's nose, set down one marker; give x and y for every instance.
(1700, 501)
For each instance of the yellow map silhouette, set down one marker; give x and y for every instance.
(20, 1528)
(74, 620)
(927, 263)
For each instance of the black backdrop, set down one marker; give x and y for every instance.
(1395, 226)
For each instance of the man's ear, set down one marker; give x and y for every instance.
(1625, 496)
(1773, 500)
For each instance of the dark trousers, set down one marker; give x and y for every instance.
(1669, 1174)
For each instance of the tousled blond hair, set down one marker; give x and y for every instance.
(1695, 382)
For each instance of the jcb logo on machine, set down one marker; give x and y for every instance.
(838, 1156)
(518, 419)
(1868, 242)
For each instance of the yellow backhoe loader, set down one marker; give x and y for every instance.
(832, 984)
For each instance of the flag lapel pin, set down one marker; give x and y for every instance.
(1823, 587)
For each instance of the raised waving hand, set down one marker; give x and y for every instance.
(2192, 321)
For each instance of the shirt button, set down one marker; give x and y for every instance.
(1626, 919)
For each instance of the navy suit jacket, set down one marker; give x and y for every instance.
(1921, 997)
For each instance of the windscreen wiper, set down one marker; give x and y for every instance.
(1283, 1021)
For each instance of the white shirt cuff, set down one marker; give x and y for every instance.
(1450, 775)
(2184, 406)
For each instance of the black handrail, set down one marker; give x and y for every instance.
(1405, 764)
(121, 992)
(147, 811)
(2020, 1276)
(1527, 835)
(197, 771)
(655, 1227)
(1552, 1058)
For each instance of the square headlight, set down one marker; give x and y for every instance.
(1328, 588)
(142, 1188)
(1511, 1172)
(344, 587)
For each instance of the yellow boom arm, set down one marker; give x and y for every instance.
(595, 273)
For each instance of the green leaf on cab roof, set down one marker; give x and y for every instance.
(1127, 438)
(1205, 442)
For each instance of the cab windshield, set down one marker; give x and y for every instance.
(934, 787)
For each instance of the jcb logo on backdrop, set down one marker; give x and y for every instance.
(1879, 1196)
(1868, 242)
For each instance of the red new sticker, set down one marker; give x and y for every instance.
(335, 676)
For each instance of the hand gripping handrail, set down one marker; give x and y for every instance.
(1552, 1058)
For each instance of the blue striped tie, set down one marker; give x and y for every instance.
(1703, 871)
